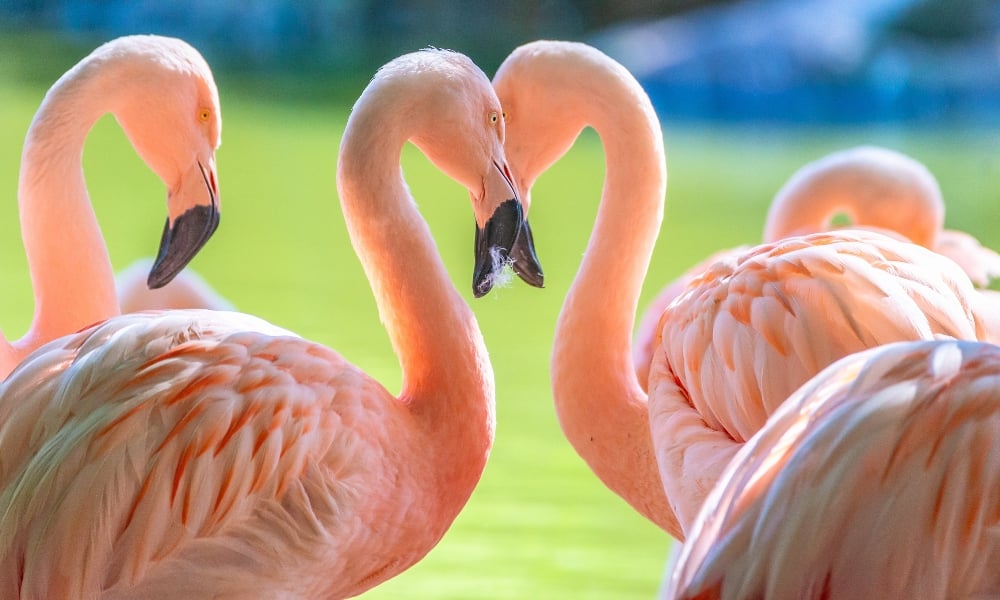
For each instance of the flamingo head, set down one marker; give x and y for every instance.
(535, 83)
(463, 136)
(169, 109)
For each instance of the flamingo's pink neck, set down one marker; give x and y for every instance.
(447, 378)
(873, 186)
(601, 407)
(70, 268)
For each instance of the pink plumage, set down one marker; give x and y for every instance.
(878, 478)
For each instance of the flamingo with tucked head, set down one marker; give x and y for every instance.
(163, 95)
(878, 478)
(199, 453)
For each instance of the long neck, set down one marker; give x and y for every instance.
(70, 269)
(886, 193)
(601, 407)
(447, 382)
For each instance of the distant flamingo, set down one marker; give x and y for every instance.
(163, 95)
(879, 478)
(875, 188)
(879, 188)
(551, 91)
(187, 290)
(753, 326)
(224, 457)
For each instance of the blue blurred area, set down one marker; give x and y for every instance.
(309, 35)
(827, 61)
(814, 61)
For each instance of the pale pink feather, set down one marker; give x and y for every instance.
(756, 326)
(879, 478)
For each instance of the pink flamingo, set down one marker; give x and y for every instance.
(551, 91)
(878, 478)
(724, 325)
(186, 290)
(225, 457)
(162, 93)
(875, 188)
(755, 326)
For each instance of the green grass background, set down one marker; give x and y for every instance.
(539, 525)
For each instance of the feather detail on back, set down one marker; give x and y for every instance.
(754, 326)
(879, 478)
(234, 447)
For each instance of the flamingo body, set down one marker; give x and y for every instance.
(878, 478)
(219, 452)
(756, 326)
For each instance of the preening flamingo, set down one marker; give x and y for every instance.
(875, 188)
(163, 95)
(879, 478)
(551, 91)
(186, 290)
(224, 457)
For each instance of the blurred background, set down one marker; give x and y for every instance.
(747, 92)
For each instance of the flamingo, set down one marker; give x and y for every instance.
(744, 334)
(879, 188)
(551, 91)
(197, 453)
(187, 290)
(754, 327)
(878, 478)
(876, 188)
(163, 95)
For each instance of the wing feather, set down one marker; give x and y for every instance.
(754, 327)
(200, 444)
(878, 478)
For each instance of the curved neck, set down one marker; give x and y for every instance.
(884, 192)
(447, 381)
(71, 273)
(601, 407)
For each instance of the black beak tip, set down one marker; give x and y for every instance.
(493, 245)
(180, 243)
(525, 260)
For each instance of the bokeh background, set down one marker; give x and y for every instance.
(747, 91)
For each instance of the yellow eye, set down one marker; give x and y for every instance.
(494, 117)
(204, 114)
(504, 114)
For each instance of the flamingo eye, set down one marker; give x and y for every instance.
(204, 115)
(494, 118)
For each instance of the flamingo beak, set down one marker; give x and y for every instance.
(495, 239)
(493, 245)
(526, 264)
(185, 234)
